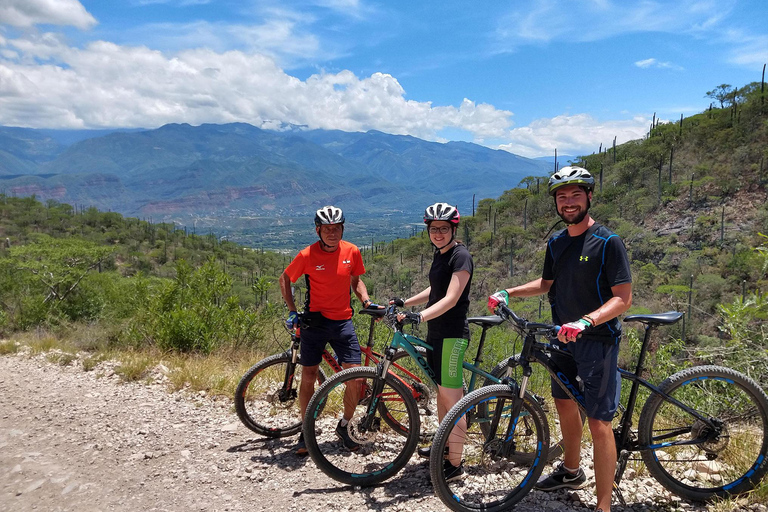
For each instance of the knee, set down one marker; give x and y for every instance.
(600, 430)
(309, 374)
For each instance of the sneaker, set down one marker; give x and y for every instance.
(561, 478)
(301, 447)
(343, 434)
(424, 452)
(453, 472)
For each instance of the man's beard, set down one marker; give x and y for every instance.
(579, 217)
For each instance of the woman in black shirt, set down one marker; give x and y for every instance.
(447, 299)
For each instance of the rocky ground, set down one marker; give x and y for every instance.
(82, 441)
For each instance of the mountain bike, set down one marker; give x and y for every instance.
(702, 432)
(386, 423)
(266, 398)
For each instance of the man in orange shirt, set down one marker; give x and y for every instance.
(331, 268)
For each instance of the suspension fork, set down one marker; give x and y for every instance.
(290, 368)
(369, 423)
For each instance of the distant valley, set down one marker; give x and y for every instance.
(255, 186)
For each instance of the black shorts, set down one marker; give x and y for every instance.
(596, 364)
(339, 333)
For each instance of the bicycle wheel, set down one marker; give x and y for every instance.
(729, 461)
(423, 391)
(539, 388)
(383, 450)
(492, 481)
(262, 402)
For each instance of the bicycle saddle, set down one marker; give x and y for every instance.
(485, 321)
(669, 317)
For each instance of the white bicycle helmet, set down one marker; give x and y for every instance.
(329, 215)
(571, 176)
(442, 211)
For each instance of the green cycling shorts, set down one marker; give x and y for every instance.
(446, 359)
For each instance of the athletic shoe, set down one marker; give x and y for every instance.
(301, 447)
(343, 434)
(424, 452)
(453, 472)
(561, 478)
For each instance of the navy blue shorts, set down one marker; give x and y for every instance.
(339, 333)
(596, 365)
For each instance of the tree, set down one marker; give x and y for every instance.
(59, 264)
(723, 93)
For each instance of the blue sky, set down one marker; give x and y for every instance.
(527, 76)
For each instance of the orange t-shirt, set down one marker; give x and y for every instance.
(330, 277)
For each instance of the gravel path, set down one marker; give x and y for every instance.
(82, 441)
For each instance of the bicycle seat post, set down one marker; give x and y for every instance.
(370, 333)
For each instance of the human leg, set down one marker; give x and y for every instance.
(571, 429)
(447, 398)
(604, 456)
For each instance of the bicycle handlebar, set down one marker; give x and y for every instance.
(547, 330)
(390, 313)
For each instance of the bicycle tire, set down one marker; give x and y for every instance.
(491, 482)
(383, 451)
(729, 464)
(556, 445)
(257, 402)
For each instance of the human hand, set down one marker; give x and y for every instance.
(369, 304)
(292, 321)
(397, 301)
(497, 298)
(413, 318)
(572, 330)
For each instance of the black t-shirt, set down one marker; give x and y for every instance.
(584, 268)
(452, 323)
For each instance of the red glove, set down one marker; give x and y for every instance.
(497, 298)
(572, 330)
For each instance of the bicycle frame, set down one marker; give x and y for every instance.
(538, 352)
(409, 342)
(367, 350)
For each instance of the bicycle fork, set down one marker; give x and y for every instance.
(370, 422)
(288, 392)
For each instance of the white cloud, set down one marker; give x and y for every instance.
(108, 85)
(645, 63)
(26, 13)
(653, 63)
(551, 20)
(573, 135)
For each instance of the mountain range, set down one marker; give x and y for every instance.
(180, 172)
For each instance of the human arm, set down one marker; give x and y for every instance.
(285, 291)
(529, 289)
(419, 298)
(456, 287)
(613, 307)
(361, 291)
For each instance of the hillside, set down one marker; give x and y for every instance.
(236, 179)
(692, 224)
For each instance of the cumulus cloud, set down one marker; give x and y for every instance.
(572, 134)
(46, 83)
(26, 13)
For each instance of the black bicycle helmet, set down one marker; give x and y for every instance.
(329, 215)
(442, 211)
(571, 176)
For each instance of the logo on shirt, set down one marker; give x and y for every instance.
(583, 258)
(320, 267)
(346, 262)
